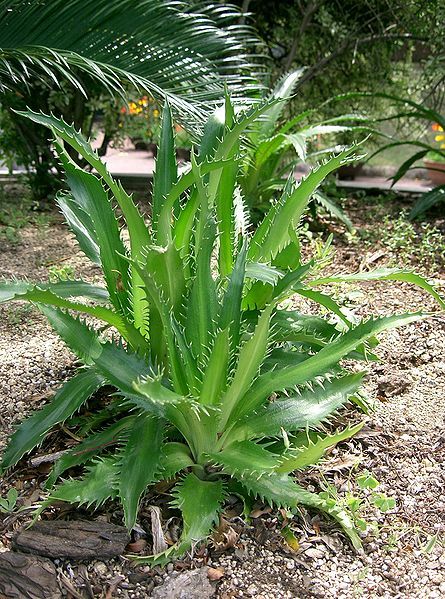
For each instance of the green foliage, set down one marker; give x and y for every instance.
(350, 45)
(273, 150)
(359, 503)
(8, 503)
(408, 242)
(430, 199)
(60, 273)
(158, 46)
(208, 366)
(87, 59)
(414, 113)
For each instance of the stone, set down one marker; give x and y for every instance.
(193, 584)
(27, 577)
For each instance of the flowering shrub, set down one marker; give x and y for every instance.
(140, 120)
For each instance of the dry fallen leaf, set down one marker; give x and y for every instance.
(137, 546)
(215, 573)
(260, 512)
(224, 537)
(347, 461)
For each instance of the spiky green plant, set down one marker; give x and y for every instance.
(201, 341)
(274, 148)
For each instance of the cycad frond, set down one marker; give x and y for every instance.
(160, 46)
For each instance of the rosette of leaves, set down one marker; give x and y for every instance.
(201, 340)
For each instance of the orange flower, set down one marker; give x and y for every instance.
(436, 127)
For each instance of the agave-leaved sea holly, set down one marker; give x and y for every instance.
(201, 339)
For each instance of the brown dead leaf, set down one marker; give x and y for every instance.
(260, 512)
(32, 498)
(224, 537)
(346, 461)
(215, 573)
(137, 546)
(159, 542)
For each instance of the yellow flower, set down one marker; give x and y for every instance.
(439, 137)
(156, 113)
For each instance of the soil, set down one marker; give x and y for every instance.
(402, 445)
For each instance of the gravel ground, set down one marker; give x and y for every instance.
(402, 445)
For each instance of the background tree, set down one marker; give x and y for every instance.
(352, 45)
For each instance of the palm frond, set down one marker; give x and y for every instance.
(163, 47)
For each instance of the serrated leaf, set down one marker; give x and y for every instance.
(300, 411)
(11, 289)
(333, 209)
(166, 172)
(224, 197)
(66, 401)
(297, 458)
(200, 502)
(281, 490)
(138, 232)
(81, 225)
(203, 303)
(127, 371)
(139, 463)
(90, 447)
(263, 272)
(215, 375)
(273, 237)
(320, 363)
(90, 196)
(175, 457)
(383, 274)
(326, 301)
(250, 358)
(47, 297)
(231, 306)
(93, 489)
(245, 457)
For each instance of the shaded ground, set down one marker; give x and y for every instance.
(402, 444)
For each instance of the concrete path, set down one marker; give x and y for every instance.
(135, 169)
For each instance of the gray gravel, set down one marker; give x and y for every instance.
(404, 450)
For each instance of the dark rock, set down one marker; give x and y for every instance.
(27, 577)
(75, 539)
